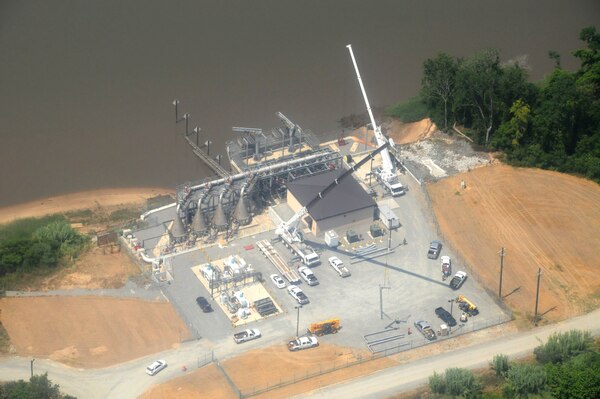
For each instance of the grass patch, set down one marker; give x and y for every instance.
(125, 214)
(80, 215)
(158, 201)
(409, 111)
(21, 228)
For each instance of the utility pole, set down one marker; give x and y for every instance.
(501, 267)
(297, 319)
(381, 288)
(31, 365)
(451, 303)
(371, 174)
(390, 237)
(537, 296)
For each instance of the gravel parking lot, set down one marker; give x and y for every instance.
(413, 286)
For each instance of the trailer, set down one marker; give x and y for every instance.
(280, 264)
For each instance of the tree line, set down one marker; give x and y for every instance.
(566, 366)
(552, 124)
(32, 244)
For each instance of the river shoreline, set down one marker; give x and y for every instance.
(91, 199)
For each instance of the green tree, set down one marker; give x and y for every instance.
(439, 84)
(562, 346)
(524, 379)
(38, 387)
(477, 90)
(578, 378)
(511, 132)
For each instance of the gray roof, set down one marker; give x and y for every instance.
(347, 197)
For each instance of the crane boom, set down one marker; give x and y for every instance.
(388, 166)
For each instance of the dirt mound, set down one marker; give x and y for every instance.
(406, 133)
(90, 331)
(543, 219)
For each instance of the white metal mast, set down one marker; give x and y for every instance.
(388, 166)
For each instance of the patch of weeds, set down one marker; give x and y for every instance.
(124, 214)
(79, 215)
(4, 340)
(457, 193)
(558, 267)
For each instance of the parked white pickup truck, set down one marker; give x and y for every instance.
(339, 267)
(246, 335)
(302, 343)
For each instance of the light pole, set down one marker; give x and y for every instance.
(218, 158)
(197, 131)
(207, 143)
(451, 303)
(297, 319)
(381, 288)
(390, 238)
(31, 365)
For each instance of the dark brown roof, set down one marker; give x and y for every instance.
(347, 197)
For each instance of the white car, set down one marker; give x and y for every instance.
(308, 275)
(156, 367)
(278, 281)
(298, 294)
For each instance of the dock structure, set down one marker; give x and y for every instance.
(271, 253)
(211, 163)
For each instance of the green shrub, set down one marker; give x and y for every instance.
(562, 346)
(455, 382)
(524, 379)
(500, 365)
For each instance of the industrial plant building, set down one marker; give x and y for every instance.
(346, 204)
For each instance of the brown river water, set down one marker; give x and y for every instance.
(86, 86)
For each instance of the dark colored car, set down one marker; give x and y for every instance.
(434, 249)
(445, 316)
(204, 305)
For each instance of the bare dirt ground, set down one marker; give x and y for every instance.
(96, 269)
(207, 382)
(544, 220)
(259, 368)
(264, 367)
(400, 132)
(90, 331)
(406, 133)
(82, 200)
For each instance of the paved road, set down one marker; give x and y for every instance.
(411, 375)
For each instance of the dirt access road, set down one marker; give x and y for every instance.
(543, 219)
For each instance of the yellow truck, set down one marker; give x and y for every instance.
(331, 326)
